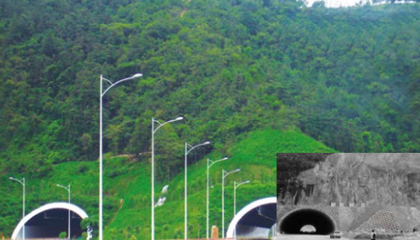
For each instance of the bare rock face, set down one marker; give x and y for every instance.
(362, 179)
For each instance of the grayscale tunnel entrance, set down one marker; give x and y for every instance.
(50, 223)
(295, 221)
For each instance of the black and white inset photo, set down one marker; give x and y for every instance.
(348, 195)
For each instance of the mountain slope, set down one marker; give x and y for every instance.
(346, 77)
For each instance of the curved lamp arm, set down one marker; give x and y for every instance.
(137, 75)
(161, 124)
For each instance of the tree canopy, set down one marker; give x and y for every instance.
(349, 77)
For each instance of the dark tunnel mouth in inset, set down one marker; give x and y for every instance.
(294, 221)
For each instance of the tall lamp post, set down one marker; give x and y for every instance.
(102, 93)
(69, 223)
(235, 186)
(224, 175)
(23, 201)
(153, 168)
(209, 164)
(186, 181)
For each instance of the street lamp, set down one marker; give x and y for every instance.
(69, 191)
(102, 93)
(185, 194)
(225, 174)
(235, 186)
(153, 167)
(209, 164)
(23, 202)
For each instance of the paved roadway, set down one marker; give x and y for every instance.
(305, 237)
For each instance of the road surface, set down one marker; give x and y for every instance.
(305, 237)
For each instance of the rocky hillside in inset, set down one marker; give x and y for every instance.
(360, 179)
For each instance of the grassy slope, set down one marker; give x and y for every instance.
(130, 181)
(255, 155)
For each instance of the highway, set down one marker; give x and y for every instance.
(305, 237)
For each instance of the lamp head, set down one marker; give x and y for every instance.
(11, 178)
(206, 143)
(237, 170)
(225, 158)
(137, 75)
(179, 118)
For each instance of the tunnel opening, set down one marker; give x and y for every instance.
(308, 229)
(295, 221)
(50, 223)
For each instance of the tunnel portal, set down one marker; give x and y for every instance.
(50, 220)
(293, 222)
(255, 220)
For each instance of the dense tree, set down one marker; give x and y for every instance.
(347, 77)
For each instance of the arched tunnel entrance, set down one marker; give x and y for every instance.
(49, 221)
(255, 221)
(295, 221)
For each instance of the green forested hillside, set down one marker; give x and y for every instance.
(347, 77)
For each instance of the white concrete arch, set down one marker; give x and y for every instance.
(245, 210)
(46, 207)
